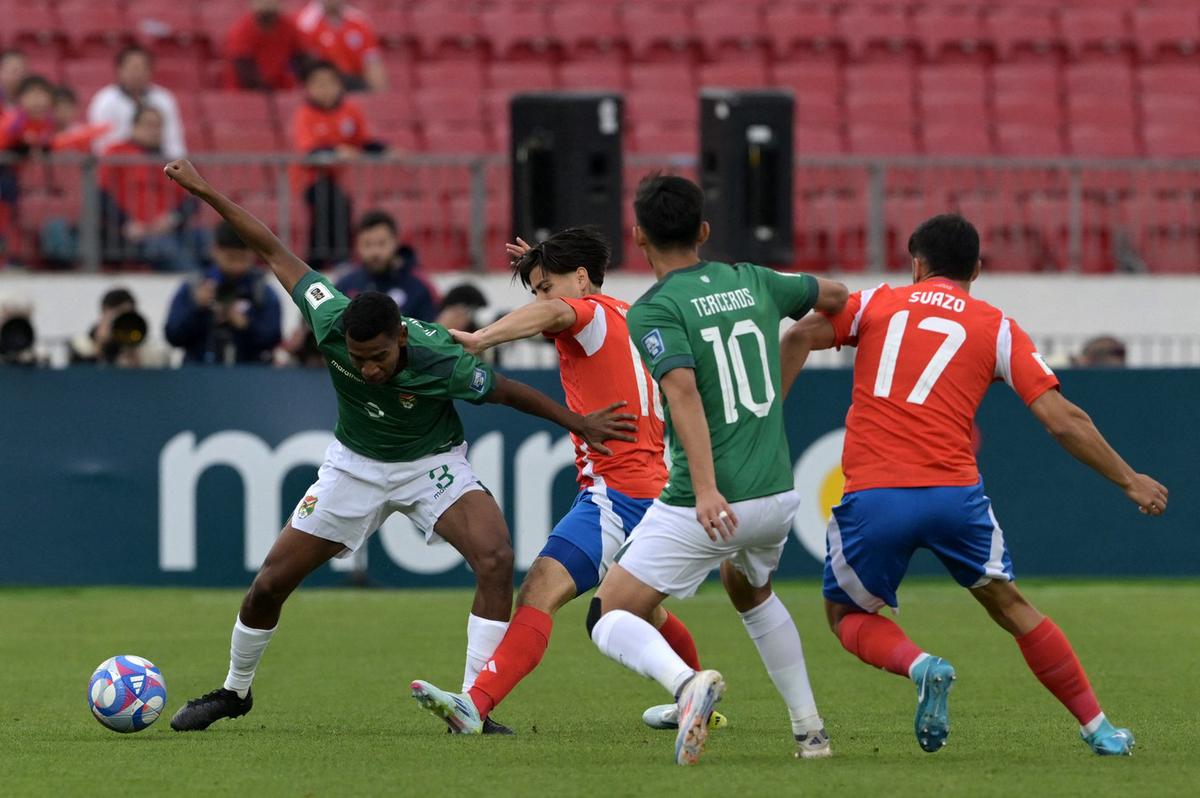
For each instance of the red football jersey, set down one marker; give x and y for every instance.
(272, 50)
(349, 44)
(599, 366)
(926, 356)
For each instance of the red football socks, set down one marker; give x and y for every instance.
(878, 641)
(517, 655)
(1053, 661)
(680, 640)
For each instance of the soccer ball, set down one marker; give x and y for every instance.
(127, 693)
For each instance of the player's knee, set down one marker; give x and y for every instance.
(593, 615)
(494, 562)
(269, 590)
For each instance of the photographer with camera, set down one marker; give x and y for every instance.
(118, 338)
(228, 314)
(16, 333)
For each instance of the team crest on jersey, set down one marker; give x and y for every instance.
(478, 380)
(407, 400)
(307, 506)
(652, 342)
(317, 295)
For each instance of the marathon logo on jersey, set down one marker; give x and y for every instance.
(723, 302)
(652, 342)
(307, 505)
(318, 294)
(478, 380)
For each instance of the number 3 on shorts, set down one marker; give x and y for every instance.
(442, 477)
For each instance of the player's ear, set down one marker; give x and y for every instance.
(978, 268)
(705, 230)
(639, 238)
(402, 333)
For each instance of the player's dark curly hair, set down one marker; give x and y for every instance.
(949, 244)
(670, 210)
(369, 314)
(566, 251)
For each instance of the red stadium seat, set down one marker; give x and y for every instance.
(456, 138)
(1166, 31)
(593, 74)
(442, 29)
(1171, 110)
(394, 26)
(1103, 141)
(790, 29)
(673, 75)
(164, 25)
(582, 29)
(94, 24)
(664, 107)
(838, 225)
(87, 76)
(1090, 28)
(463, 73)
(879, 110)
(749, 74)
(723, 28)
(232, 137)
(178, 71)
(653, 29)
(43, 60)
(29, 23)
(1105, 78)
(881, 138)
(819, 109)
(1091, 109)
(961, 81)
(884, 80)
(1028, 139)
(664, 141)
(236, 107)
(1171, 140)
(965, 136)
(875, 28)
(516, 76)
(948, 32)
(1016, 30)
(809, 76)
(515, 28)
(1159, 79)
(445, 106)
(1036, 79)
(1007, 243)
(812, 138)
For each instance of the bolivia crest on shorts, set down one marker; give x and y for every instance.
(306, 507)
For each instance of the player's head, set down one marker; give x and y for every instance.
(945, 246)
(669, 211)
(231, 254)
(375, 336)
(376, 241)
(117, 300)
(147, 130)
(66, 106)
(135, 67)
(13, 68)
(571, 263)
(323, 84)
(35, 95)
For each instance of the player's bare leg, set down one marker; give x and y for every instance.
(774, 633)
(1052, 660)
(292, 557)
(879, 641)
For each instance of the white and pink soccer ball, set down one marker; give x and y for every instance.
(127, 693)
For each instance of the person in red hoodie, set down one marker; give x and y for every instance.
(141, 218)
(329, 128)
(264, 49)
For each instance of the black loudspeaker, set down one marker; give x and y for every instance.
(746, 174)
(566, 164)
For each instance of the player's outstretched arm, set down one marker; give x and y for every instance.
(594, 428)
(536, 317)
(287, 267)
(831, 296)
(691, 426)
(1075, 432)
(812, 332)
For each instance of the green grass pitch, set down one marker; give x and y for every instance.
(333, 716)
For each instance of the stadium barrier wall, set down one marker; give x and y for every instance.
(184, 477)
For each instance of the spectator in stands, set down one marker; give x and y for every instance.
(264, 49)
(70, 133)
(331, 127)
(13, 69)
(341, 34)
(26, 127)
(143, 217)
(119, 336)
(384, 264)
(1103, 351)
(229, 314)
(461, 306)
(116, 104)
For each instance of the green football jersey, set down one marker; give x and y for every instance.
(723, 321)
(410, 416)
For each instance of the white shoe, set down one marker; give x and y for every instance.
(666, 716)
(813, 745)
(456, 709)
(696, 703)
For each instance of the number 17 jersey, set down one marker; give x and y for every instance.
(722, 321)
(927, 354)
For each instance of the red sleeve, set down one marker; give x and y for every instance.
(360, 136)
(585, 311)
(370, 47)
(239, 42)
(845, 323)
(1025, 370)
(302, 131)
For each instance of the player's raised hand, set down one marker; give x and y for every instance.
(515, 251)
(715, 515)
(183, 173)
(1148, 494)
(472, 342)
(607, 425)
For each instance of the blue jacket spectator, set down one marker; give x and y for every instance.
(229, 314)
(384, 264)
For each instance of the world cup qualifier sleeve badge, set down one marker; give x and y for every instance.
(307, 505)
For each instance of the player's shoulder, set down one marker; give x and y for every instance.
(609, 302)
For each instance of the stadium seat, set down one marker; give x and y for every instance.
(164, 26)
(818, 109)
(662, 107)
(869, 28)
(1172, 30)
(1014, 31)
(821, 76)
(178, 70)
(964, 81)
(835, 227)
(87, 76)
(444, 30)
(29, 24)
(948, 32)
(94, 27)
(1158, 79)
(44, 61)
(1035, 79)
(1087, 28)
(458, 73)
(676, 76)
(237, 107)
(394, 27)
(456, 138)
(584, 30)
(608, 74)
(791, 30)
(965, 136)
(449, 107)
(1007, 243)
(881, 138)
(1102, 141)
(747, 74)
(650, 139)
(888, 80)
(231, 137)
(515, 29)
(654, 30)
(728, 29)
(1171, 140)
(1028, 139)
(814, 138)
(517, 76)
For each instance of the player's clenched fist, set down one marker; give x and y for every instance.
(1148, 494)
(183, 173)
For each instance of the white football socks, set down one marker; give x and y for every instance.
(246, 647)
(638, 646)
(483, 637)
(774, 634)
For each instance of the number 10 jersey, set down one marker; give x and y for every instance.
(722, 321)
